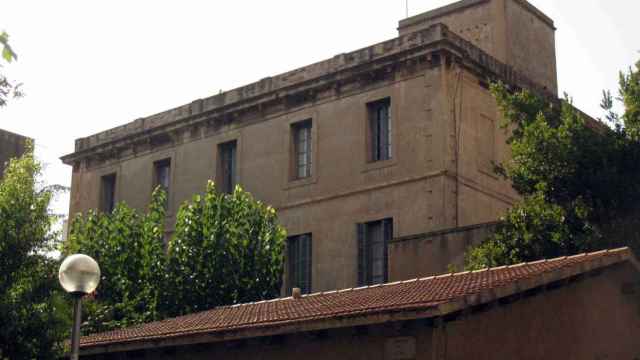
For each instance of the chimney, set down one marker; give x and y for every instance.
(296, 293)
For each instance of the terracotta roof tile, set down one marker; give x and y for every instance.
(414, 294)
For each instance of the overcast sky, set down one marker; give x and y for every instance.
(88, 66)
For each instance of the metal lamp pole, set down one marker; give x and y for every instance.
(79, 275)
(75, 330)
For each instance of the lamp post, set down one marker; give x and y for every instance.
(79, 275)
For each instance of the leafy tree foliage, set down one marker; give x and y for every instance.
(226, 249)
(129, 248)
(33, 312)
(578, 177)
(7, 87)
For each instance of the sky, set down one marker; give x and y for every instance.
(88, 66)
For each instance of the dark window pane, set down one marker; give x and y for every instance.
(299, 257)
(108, 193)
(373, 239)
(380, 129)
(162, 170)
(227, 166)
(302, 149)
(362, 254)
(163, 173)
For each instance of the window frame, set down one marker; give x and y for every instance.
(102, 204)
(296, 129)
(297, 252)
(287, 174)
(158, 164)
(366, 258)
(377, 149)
(227, 182)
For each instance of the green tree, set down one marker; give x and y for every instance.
(579, 178)
(8, 88)
(227, 248)
(129, 248)
(32, 306)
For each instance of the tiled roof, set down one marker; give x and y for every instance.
(438, 292)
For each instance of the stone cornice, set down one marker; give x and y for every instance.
(333, 77)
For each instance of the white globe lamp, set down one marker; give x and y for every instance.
(79, 275)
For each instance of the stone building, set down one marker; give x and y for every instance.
(11, 146)
(579, 307)
(379, 161)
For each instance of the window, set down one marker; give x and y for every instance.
(108, 193)
(302, 149)
(373, 238)
(162, 176)
(380, 130)
(227, 166)
(299, 256)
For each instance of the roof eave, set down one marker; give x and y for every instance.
(381, 316)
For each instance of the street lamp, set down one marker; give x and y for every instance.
(79, 275)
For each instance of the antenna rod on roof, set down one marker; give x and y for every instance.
(406, 3)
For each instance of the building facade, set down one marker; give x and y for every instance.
(379, 161)
(11, 146)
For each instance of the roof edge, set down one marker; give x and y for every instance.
(410, 312)
(486, 296)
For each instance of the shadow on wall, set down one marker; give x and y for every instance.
(434, 253)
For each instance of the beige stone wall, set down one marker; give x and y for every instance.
(474, 20)
(531, 44)
(483, 195)
(344, 190)
(417, 187)
(434, 253)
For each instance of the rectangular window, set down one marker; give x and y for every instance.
(373, 239)
(162, 176)
(108, 193)
(380, 130)
(302, 149)
(299, 257)
(227, 166)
